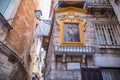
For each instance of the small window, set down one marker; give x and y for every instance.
(73, 66)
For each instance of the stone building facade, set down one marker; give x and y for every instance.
(17, 25)
(93, 53)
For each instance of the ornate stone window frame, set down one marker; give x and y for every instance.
(71, 15)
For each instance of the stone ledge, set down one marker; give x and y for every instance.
(109, 46)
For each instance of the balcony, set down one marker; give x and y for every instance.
(74, 50)
(4, 22)
(98, 3)
(10, 53)
(12, 56)
(67, 3)
(4, 27)
(101, 6)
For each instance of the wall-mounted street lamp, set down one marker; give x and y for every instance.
(38, 14)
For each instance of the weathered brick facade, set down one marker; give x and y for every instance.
(16, 40)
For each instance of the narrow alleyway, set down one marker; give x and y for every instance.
(59, 39)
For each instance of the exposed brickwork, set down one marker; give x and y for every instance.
(23, 28)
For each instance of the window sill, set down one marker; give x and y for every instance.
(110, 46)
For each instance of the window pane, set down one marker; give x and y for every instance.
(101, 34)
(3, 5)
(73, 66)
(71, 33)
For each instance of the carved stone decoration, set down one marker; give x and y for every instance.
(69, 18)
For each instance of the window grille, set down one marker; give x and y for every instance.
(107, 34)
